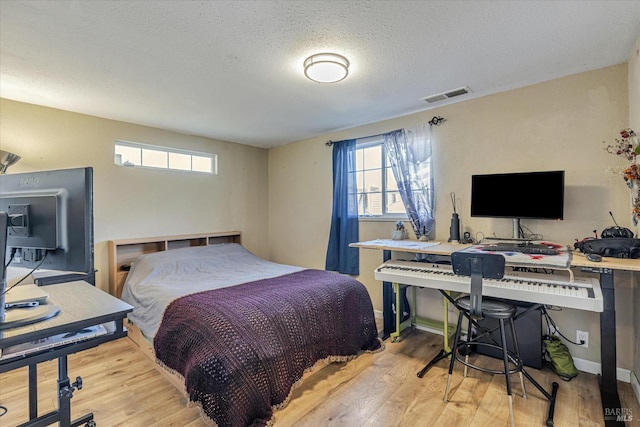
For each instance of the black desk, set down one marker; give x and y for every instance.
(81, 305)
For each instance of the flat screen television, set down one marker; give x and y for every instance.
(519, 195)
(46, 221)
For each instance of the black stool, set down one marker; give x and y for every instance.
(473, 307)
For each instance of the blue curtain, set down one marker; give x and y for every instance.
(344, 217)
(409, 152)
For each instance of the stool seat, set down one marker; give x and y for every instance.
(491, 308)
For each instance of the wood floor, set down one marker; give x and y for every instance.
(123, 388)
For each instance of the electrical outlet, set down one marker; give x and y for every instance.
(582, 336)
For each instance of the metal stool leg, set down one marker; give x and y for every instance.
(454, 348)
(468, 348)
(517, 350)
(505, 357)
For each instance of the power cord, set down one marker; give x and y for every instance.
(3, 410)
(531, 235)
(545, 313)
(13, 255)
(550, 323)
(26, 275)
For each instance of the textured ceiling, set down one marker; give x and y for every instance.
(232, 70)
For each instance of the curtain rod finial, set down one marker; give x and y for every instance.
(436, 120)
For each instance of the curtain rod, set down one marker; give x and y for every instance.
(435, 121)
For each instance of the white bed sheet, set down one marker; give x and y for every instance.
(157, 279)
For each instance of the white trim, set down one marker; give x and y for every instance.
(378, 315)
(134, 144)
(590, 367)
(436, 331)
(386, 218)
(635, 385)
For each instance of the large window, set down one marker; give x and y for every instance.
(134, 154)
(378, 195)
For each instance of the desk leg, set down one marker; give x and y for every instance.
(608, 380)
(445, 325)
(395, 335)
(64, 393)
(387, 303)
(33, 391)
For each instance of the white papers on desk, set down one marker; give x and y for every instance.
(400, 244)
(51, 342)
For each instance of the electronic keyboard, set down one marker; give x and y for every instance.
(583, 293)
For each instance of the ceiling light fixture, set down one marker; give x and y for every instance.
(326, 67)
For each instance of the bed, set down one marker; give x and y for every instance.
(238, 331)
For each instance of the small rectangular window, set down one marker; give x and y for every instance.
(133, 154)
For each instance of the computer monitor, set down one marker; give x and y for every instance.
(521, 195)
(49, 225)
(50, 219)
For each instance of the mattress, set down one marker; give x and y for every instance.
(157, 279)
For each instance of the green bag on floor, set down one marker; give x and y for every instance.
(559, 358)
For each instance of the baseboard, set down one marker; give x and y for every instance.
(590, 367)
(378, 315)
(635, 385)
(437, 331)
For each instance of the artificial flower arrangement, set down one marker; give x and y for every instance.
(628, 147)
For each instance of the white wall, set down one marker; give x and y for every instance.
(130, 202)
(559, 124)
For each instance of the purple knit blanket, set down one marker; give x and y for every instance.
(241, 349)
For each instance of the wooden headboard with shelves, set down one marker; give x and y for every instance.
(123, 252)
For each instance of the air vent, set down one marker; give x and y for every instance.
(447, 95)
